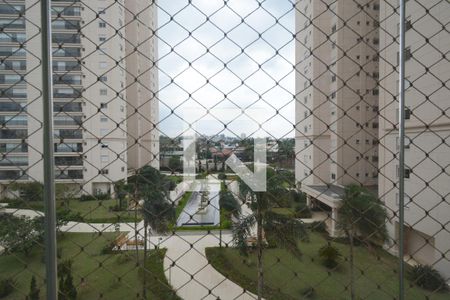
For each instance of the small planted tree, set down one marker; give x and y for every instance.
(20, 234)
(30, 191)
(6, 286)
(284, 231)
(329, 256)
(158, 212)
(34, 290)
(67, 290)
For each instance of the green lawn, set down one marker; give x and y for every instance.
(96, 275)
(95, 211)
(182, 203)
(100, 211)
(287, 277)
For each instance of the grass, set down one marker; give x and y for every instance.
(100, 212)
(286, 277)
(96, 275)
(182, 203)
(95, 211)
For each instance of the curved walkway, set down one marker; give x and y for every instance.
(189, 273)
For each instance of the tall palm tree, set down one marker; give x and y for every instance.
(157, 210)
(284, 230)
(361, 214)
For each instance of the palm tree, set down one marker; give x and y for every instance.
(284, 230)
(361, 214)
(158, 212)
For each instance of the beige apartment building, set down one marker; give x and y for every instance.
(427, 154)
(105, 104)
(337, 44)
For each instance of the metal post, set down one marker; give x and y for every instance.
(49, 178)
(402, 150)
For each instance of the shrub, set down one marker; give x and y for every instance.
(222, 176)
(100, 196)
(318, 226)
(108, 248)
(428, 278)
(302, 211)
(6, 287)
(66, 215)
(30, 191)
(329, 256)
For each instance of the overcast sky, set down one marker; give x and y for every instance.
(202, 75)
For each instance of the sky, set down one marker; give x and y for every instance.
(216, 69)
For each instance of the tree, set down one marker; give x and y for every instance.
(361, 214)
(175, 163)
(20, 234)
(284, 230)
(121, 189)
(286, 150)
(67, 290)
(65, 193)
(30, 191)
(34, 291)
(158, 212)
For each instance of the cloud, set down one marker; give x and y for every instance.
(240, 70)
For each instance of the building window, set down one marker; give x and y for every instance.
(104, 158)
(103, 65)
(407, 173)
(104, 131)
(104, 146)
(102, 24)
(103, 92)
(333, 176)
(103, 172)
(103, 105)
(104, 78)
(103, 119)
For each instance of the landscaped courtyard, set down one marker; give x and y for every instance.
(287, 277)
(97, 272)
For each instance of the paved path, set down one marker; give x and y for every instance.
(185, 263)
(189, 272)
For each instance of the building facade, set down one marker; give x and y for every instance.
(427, 154)
(337, 45)
(91, 92)
(336, 92)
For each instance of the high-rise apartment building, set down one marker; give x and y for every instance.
(103, 79)
(337, 46)
(142, 85)
(427, 154)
